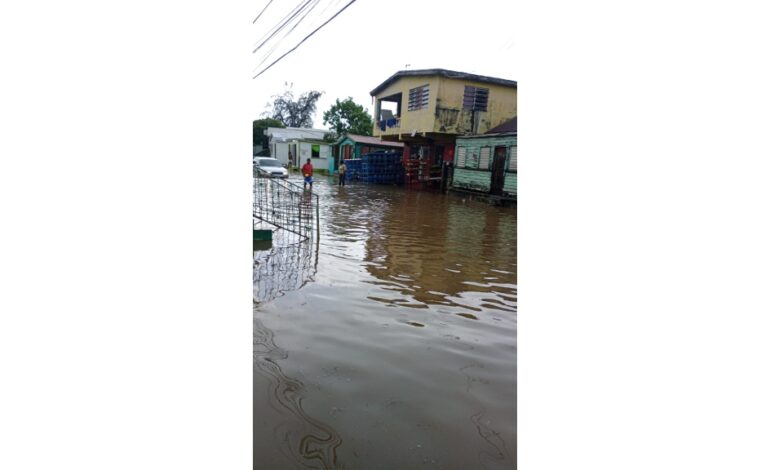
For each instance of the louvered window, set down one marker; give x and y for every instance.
(418, 98)
(512, 163)
(484, 158)
(475, 99)
(461, 157)
(472, 160)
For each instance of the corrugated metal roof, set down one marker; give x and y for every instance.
(365, 139)
(507, 126)
(443, 73)
(290, 133)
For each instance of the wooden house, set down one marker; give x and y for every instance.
(487, 163)
(353, 146)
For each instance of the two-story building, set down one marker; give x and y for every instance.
(428, 109)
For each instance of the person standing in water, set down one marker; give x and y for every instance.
(342, 169)
(307, 171)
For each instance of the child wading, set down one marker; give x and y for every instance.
(307, 170)
(342, 169)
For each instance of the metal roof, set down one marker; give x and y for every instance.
(365, 139)
(442, 73)
(283, 134)
(506, 129)
(507, 126)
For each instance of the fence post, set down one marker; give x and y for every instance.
(317, 218)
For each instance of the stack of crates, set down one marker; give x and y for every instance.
(381, 167)
(354, 169)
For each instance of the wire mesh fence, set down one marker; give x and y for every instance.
(288, 258)
(286, 206)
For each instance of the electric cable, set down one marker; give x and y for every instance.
(304, 5)
(270, 52)
(263, 10)
(304, 39)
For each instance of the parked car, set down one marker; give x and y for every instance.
(270, 167)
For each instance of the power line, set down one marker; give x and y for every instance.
(315, 3)
(304, 5)
(303, 40)
(321, 15)
(263, 10)
(281, 21)
(299, 21)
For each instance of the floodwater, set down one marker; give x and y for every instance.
(390, 343)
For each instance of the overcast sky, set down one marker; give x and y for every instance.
(371, 40)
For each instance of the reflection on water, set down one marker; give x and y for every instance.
(288, 264)
(432, 255)
(300, 438)
(397, 337)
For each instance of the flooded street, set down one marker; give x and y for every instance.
(390, 343)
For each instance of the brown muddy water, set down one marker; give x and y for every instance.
(390, 343)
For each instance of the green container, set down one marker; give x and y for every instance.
(262, 245)
(263, 235)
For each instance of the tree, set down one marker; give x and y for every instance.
(291, 112)
(347, 117)
(259, 138)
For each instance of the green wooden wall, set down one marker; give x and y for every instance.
(472, 179)
(510, 184)
(473, 161)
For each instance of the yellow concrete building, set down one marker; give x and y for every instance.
(428, 109)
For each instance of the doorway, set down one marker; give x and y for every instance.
(498, 171)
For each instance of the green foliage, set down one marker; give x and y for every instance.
(347, 117)
(291, 112)
(259, 138)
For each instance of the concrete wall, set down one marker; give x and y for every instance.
(281, 152)
(421, 119)
(445, 113)
(305, 152)
(452, 118)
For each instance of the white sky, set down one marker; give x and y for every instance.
(371, 40)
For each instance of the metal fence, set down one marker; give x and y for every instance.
(292, 217)
(286, 206)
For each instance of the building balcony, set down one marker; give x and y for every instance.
(391, 126)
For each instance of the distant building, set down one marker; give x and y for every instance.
(292, 146)
(353, 146)
(487, 163)
(428, 109)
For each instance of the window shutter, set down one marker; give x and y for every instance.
(472, 161)
(418, 98)
(461, 157)
(484, 158)
(512, 164)
(475, 99)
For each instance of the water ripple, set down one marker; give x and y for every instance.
(307, 441)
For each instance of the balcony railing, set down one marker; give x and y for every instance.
(387, 126)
